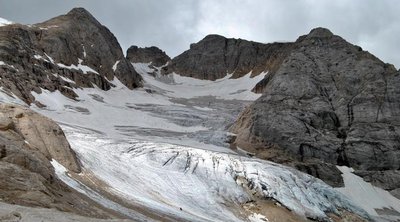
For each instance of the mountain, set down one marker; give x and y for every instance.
(146, 55)
(329, 103)
(66, 52)
(216, 56)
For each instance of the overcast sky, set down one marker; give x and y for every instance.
(173, 24)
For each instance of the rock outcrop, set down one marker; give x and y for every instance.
(28, 142)
(329, 103)
(216, 56)
(69, 51)
(152, 55)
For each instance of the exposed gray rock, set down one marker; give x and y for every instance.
(32, 55)
(388, 180)
(156, 56)
(329, 103)
(215, 56)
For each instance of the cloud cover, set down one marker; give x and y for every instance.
(173, 24)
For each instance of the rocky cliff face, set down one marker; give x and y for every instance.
(156, 56)
(28, 142)
(329, 103)
(69, 51)
(216, 56)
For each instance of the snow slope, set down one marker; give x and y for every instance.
(95, 104)
(370, 198)
(185, 87)
(7, 97)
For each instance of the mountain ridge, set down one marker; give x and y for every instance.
(74, 46)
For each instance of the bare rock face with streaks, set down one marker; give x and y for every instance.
(329, 103)
(152, 55)
(69, 51)
(216, 56)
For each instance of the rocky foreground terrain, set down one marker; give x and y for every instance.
(28, 143)
(150, 138)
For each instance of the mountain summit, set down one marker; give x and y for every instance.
(69, 51)
(329, 103)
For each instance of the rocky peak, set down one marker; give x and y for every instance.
(211, 40)
(320, 33)
(79, 12)
(329, 103)
(216, 56)
(74, 46)
(146, 55)
(81, 15)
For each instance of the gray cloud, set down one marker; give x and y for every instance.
(172, 24)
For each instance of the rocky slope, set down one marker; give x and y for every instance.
(216, 56)
(66, 52)
(329, 103)
(28, 142)
(156, 56)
